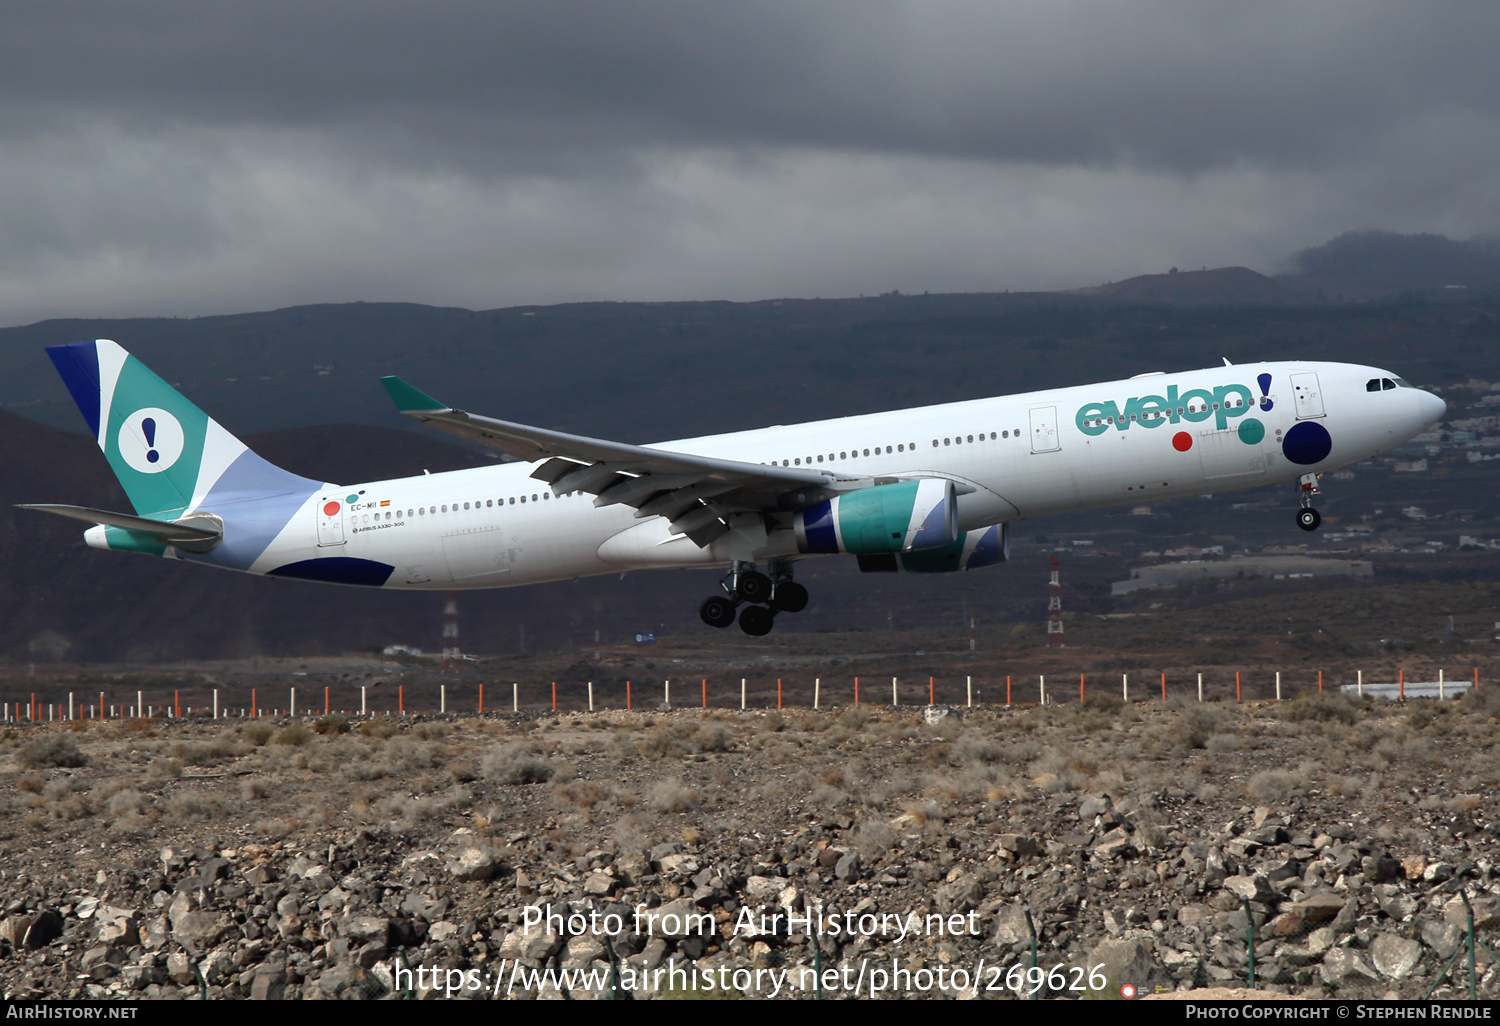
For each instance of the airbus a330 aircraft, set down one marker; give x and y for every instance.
(923, 490)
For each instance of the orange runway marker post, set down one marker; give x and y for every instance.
(554, 696)
(1402, 679)
(1320, 680)
(1236, 685)
(325, 700)
(778, 692)
(930, 692)
(481, 699)
(1164, 687)
(856, 691)
(705, 692)
(401, 699)
(1080, 687)
(252, 703)
(1007, 691)
(177, 705)
(627, 695)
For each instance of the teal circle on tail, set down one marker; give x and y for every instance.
(1251, 431)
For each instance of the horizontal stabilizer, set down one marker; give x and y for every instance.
(199, 533)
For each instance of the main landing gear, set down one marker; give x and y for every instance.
(762, 596)
(1308, 518)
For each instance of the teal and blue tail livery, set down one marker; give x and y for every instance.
(176, 464)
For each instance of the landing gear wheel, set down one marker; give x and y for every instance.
(1308, 519)
(717, 611)
(756, 621)
(790, 597)
(755, 586)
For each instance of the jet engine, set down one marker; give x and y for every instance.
(908, 516)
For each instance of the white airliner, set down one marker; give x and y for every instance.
(929, 489)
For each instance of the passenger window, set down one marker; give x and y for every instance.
(867, 452)
(533, 496)
(799, 461)
(546, 495)
(842, 455)
(512, 500)
(523, 500)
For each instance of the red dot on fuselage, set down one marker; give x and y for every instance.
(1182, 441)
(330, 509)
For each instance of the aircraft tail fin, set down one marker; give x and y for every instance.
(168, 454)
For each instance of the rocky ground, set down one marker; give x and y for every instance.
(323, 859)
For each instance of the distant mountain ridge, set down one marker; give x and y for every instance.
(1366, 265)
(1221, 286)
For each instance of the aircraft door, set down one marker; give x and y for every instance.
(1308, 396)
(1044, 437)
(476, 552)
(330, 513)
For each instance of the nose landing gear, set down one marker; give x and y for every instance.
(763, 597)
(1308, 518)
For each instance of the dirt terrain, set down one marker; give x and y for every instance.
(319, 858)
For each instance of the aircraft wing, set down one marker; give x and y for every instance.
(695, 493)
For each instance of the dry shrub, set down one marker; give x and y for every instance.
(293, 734)
(855, 718)
(585, 795)
(330, 724)
(432, 731)
(712, 737)
(667, 740)
(1199, 722)
(517, 764)
(673, 796)
(190, 806)
(257, 733)
(253, 789)
(379, 728)
(1323, 707)
(162, 770)
(632, 833)
(31, 783)
(1268, 785)
(51, 750)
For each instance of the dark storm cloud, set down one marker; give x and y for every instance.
(1179, 85)
(179, 156)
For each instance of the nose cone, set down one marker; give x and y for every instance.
(1433, 408)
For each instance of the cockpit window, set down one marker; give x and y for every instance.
(1387, 383)
(1373, 385)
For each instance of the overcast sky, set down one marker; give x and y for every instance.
(180, 157)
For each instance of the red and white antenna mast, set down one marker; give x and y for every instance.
(451, 656)
(1054, 608)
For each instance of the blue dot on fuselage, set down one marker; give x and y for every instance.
(1307, 443)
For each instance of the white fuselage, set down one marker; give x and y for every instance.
(1026, 455)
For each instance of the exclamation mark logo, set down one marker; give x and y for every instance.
(148, 428)
(1264, 380)
(151, 440)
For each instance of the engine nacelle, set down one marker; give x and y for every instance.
(969, 551)
(908, 516)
